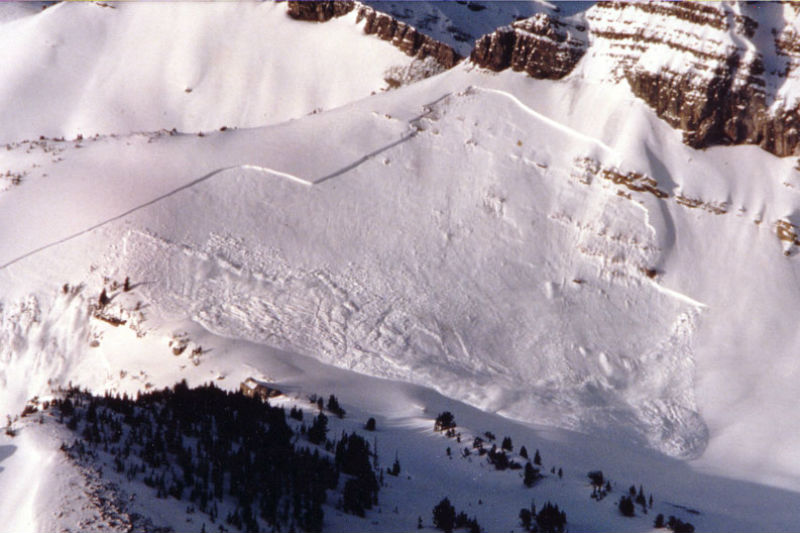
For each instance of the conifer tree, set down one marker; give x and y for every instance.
(444, 516)
(444, 421)
(531, 475)
(319, 429)
(626, 506)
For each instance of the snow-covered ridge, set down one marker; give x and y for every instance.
(416, 326)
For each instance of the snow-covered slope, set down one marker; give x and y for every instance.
(87, 68)
(544, 251)
(389, 305)
(464, 186)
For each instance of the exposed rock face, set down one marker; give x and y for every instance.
(319, 11)
(541, 46)
(703, 67)
(406, 37)
(717, 89)
(727, 108)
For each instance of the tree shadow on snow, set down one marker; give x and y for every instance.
(6, 451)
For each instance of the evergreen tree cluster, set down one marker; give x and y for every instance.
(499, 459)
(334, 407)
(395, 469)
(296, 414)
(639, 497)
(531, 475)
(445, 422)
(549, 519)
(353, 459)
(626, 503)
(675, 524)
(477, 444)
(600, 486)
(626, 506)
(318, 432)
(446, 519)
(206, 445)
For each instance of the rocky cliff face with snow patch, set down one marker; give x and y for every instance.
(704, 69)
(542, 46)
(406, 37)
(722, 73)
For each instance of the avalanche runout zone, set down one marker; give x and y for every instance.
(290, 308)
(342, 322)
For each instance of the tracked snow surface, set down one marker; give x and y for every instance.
(545, 259)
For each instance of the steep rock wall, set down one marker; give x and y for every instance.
(405, 37)
(542, 46)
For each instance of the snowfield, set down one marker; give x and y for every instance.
(546, 259)
(104, 68)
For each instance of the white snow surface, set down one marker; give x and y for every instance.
(87, 68)
(455, 235)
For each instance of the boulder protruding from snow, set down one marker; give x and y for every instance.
(319, 11)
